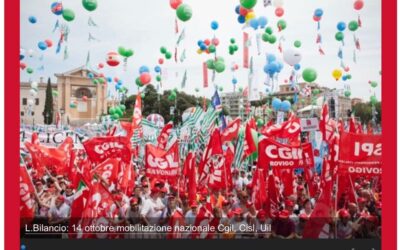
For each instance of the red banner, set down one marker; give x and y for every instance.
(245, 50)
(205, 75)
(231, 132)
(27, 202)
(107, 170)
(272, 153)
(163, 137)
(160, 163)
(99, 149)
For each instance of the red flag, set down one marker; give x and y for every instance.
(99, 149)
(177, 220)
(352, 124)
(245, 50)
(259, 194)
(229, 155)
(160, 163)
(107, 170)
(136, 119)
(126, 178)
(78, 205)
(272, 200)
(249, 144)
(324, 121)
(203, 217)
(190, 173)
(36, 156)
(163, 137)
(231, 131)
(289, 129)
(26, 194)
(205, 75)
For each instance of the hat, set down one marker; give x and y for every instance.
(289, 203)
(61, 198)
(261, 214)
(133, 201)
(237, 211)
(193, 204)
(343, 213)
(249, 204)
(284, 214)
(361, 200)
(39, 183)
(249, 186)
(164, 190)
(118, 197)
(303, 216)
(300, 187)
(225, 203)
(155, 190)
(372, 218)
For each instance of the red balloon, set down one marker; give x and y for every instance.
(84, 98)
(116, 79)
(175, 3)
(286, 81)
(317, 18)
(112, 59)
(160, 61)
(207, 42)
(243, 11)
(236, 67)
(215, 41)
(48, 42)
(358, 4)
(22, 65)
(279, 11)
(100, 65)
(145, 78)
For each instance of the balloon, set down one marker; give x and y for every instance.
(254, 23)
(221, 89)
(262, 21)
(138, 82)
(277, 3)
(42, 45)
(344, 78)
(243, 11)
(145, 78)
(285, 106)
(341, 26)
(271, 58)
(219, 66)
(240, 89)
(112, 59)
(48, 42)
(158, 78)
(22, 65)
(337, 73)
(272, 39)
(265, 37)
(68, 15)
(55, 93)
(318, 12)
(339, 36)
(89, 5)
(95, 81)
(100, 65)
(271, 68)
(157, 69)
(144, 69)
(211, 49)
(373, 100)
(168, 55)
(248, 4)
(250, 15)
(241, 19)
(175, 3)
(373, 84)
(234, 81)
(279, 11)
(309, 74)
(34, 85)
(56, 8)
(163, 50)
(21, 54)
(348, 77)
(297, 44)
(122, 107)
(237, 9)
(276, 104)
(210, 64)
(214, 25)
(160, 61)
(260, 122)
(72, 105)
(215, 41)
(84, 98)
(353, 25)
(29, 70)
(315, 91)
(347, 93)
(358, 4)
(297, 66)
(90, 75)
(281, 24)
(184, 12)
(316, 18)
(292, 56)
(32, 19)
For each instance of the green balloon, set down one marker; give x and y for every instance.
(29, 70)
(248, 4)
(68, 15)
(281, 24)
(95, 81)
(143, 95)
(114, 117)
(138, 82)
(348, 77)
(219, 66)
(309, 74)
(315, 91)
(111, 111)
(272, 39)
(347, 93)
(211, 48)
(210, 64)
(265, 37)
(128, 53)
(240, 89)
(163, 50)
(121, 51)
(297, 44)
(260, 122)
(197, 89)
(373, 100)
(235, 47)
(231, 50)
(158, 78)
(184, 12)
(89, 5)
(100, 80)
(339, 36)
(353, 25)
(232, 40)
(268, 30)
(55, 93)
(374, 84)
(72, 105)
(168, 55)
(122, 107)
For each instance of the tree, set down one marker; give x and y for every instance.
(48, 105)
(364, 111)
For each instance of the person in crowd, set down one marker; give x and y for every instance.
(344, 225)
(307, 208)
(303, 218)
(283, 227)
(59, 211)
(263, 225)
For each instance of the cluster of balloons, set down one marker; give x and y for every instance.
(43, 45)
(233, 47)
(32, 19)
(279, 105)
(318, 15)
(89, 5)
(346, 77)
(172, 95)
(218, 65)
(208, 46)
(166, 53)
(309, 75)
(144, 78)
(339, 36)
(260, 22)
(245, 11)
(183, 11)
(268, 36)
(126, 53)
(117, 112)
(112, 59)
(272, 66)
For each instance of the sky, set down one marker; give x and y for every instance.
(145, 26)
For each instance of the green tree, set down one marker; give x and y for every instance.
(364, 112)
(48, 105)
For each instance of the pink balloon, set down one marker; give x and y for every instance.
(101, 65)
(145, 78)
(279, 11)
(215, 41)
(358, 4)
(161, 61)
(22, 65)
(175, 3)
(347, 69)
(317, 18)
(48, 42)
(84, 98)
(116, 79)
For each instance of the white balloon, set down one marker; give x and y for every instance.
(277, 3)
(31, 52)
(30, 102)
(292, 56)
(34, 85)
(33, 92)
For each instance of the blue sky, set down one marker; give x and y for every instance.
(145, 26)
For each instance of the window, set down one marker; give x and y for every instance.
(79, 93)
(37, 101)
(32, 113)
(24, 101)
(22, 113)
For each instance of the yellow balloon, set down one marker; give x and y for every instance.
(199, 51)
(250, 16)
(337, 73)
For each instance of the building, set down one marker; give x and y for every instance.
(235, 103)
(78, 100)
(32, 114)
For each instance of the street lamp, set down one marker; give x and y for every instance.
(62, 111)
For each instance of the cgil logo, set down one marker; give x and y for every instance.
(274, 152)
(365, 170)
(157, 162)
(106, 146)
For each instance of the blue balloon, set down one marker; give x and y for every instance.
(271, 58)
(254, 23)
(117, 87)
(32, 19)
(341, 26)
(143, 69)
(21, 57)
(214, 25)
(318, 12)
(42, 45)
(271, 68)
(90, 75)
(262, 21)
(280, 67)
(57, 8)
(297, 66)
(237, 9)
(234, 80)
(109, 79)
(203, 47)
(157, 69)
(344, 78)
(241, 19)
(199, 42)
(119, 82)
(276, 104)
(285, 106)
